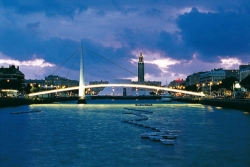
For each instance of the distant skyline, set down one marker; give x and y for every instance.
(177, 37)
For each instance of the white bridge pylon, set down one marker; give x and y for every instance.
(118, 85)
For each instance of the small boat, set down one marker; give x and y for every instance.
(167, 141)
(166, 97)
(143, 104)
(25, 112)
(155, 138)
(169, 136)
(148, 134)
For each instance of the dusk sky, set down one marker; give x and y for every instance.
(177, 37)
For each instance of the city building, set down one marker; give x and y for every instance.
(143, 91)
(177, 84)
(95, 91)
(141, 80)
(193, 79)
(244, 71)
(39, 82)
(121, 91)
(55, 81)
(210, 78)
(117, 91)
(12, 79)
(141, 69)
(232, 73)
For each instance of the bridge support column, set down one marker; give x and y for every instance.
(82, 99)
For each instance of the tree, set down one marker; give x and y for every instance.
(246, 82)
(152, 93)
(191, 88)
(28, 87)
(227, 83)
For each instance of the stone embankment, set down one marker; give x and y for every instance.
(125, 97)
(240, 104)
(11, 102)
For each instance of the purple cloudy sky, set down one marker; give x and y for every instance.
(177, 37)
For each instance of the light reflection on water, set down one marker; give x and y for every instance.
(93, 135)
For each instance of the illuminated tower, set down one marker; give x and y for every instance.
(141, 69)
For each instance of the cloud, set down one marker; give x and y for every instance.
(230, 63)
(214, 34)
(35, 63)
(168, 32)
(33, 25)
(36, 68)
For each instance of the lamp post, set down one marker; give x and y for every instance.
(203, 87)
(197, 85)
(210, 84)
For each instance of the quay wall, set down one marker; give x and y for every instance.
(12, 102)
(125, 97)
(240, 104)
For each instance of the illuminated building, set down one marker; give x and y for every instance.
(141, 69)
(12, 78)
(244, 71)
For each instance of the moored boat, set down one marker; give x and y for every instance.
(155, 138)
(148, 134)
(169, 136)
(167, 141)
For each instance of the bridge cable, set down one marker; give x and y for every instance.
(111, 61)
(72, 66)
(102, 66)
(65, 61)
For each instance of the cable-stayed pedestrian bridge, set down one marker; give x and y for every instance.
(81, 88)
(118, 85)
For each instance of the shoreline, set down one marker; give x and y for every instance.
(239, 104)
(13, 102)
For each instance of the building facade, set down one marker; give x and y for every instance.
(55, 81)
(244, 71)
(12, 78)
(177, 84)
(210, 78)
(193, 79)
(232, 73)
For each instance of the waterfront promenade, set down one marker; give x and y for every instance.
(240, 104)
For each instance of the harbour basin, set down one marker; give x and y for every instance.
(70, 134)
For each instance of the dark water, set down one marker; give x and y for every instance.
(93, 135)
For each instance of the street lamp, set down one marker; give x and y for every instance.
(210, 84)
(203, 87)
(197, 85)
